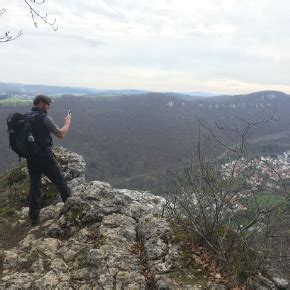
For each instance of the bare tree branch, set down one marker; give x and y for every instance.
(38, 15)
(8, 37)
(35, 15)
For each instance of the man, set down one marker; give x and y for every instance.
(44, 161)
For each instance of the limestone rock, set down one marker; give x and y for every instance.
(47, 247)
(276, 277)
(49, 212)
(27, 242)
(72, 165)
(157, 235)
(10, 259)
(18, 280)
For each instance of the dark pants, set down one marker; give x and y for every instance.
(47, 165)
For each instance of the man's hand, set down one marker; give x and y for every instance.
(67, 119)
(63, 131)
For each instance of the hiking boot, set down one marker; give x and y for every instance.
(35, 222)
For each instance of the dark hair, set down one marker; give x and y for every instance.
(42, 98)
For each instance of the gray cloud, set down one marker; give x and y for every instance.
(229, 46)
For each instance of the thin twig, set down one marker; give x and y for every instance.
(37, 14)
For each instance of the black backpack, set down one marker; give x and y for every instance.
(21, 137)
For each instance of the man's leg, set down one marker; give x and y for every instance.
(52, 171)
(34, 194)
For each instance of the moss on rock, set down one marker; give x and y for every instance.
(14, 190)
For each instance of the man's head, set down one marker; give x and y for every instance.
(42, 102)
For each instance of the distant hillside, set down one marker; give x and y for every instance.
(248, 98)
(11, 89)
(184, 96)
(32, 90)
(200, 94)
(137, 140)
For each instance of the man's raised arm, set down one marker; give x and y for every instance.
(53, 128)
(63, 131)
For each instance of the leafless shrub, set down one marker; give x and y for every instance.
(235, 202)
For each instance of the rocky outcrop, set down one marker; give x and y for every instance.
(73, 166)
(101, 237)
(95, 239)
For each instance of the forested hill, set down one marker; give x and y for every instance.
(133, 140)
(30, 90)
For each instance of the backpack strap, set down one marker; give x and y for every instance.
(36, 121)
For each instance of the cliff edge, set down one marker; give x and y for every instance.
(101, 237)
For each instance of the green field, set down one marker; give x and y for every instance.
(15, 101)
(265, 200)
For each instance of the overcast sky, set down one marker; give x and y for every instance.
(221, 46)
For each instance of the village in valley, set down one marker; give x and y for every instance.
(264, 171)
